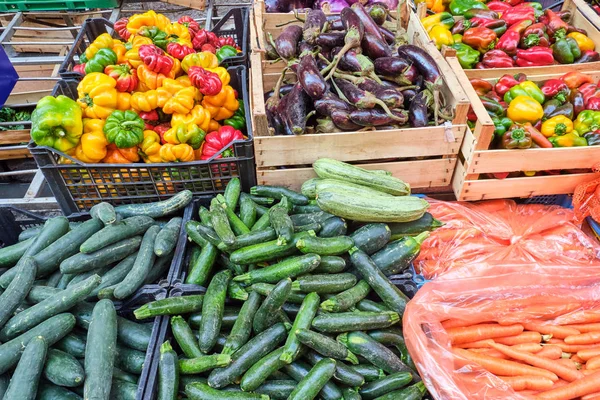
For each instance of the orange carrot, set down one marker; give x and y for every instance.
(503, 367)
(593, 363)
(587, 385)
(579, 317)
(527, 382)
(551, 365)
(589, 353)
(550, 352)
(584, 328)
(480, 344)
(571, 348)
(482, 331)
(577, 359)
(490, 352)
(525, 337)
(556, 331)
(455, 323)
(588, 371)
(593, 396)
(566, 362)
(584, 338)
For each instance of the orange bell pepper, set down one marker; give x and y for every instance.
(121, 156)
(149, 18)
(92, 148)
(222, 105)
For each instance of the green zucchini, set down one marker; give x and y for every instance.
(309, 188)
(348, 298)
(203, 363)
(316, 227)
(389, 293)
(369, 372)
(63, 369)
(290, 267)
(247, 210)
(72, 344)
(212, 310)
(201, 391)
(298, 370)
(308, 209)
(130, 360)
(263, 222)
(324, 185)
(17, 289)
(394, 337)
(48, 391)
(157, 209)
(369, 305)
(254, 237)
(141, 267)
(204, 215)
(263, 201)
(259, 372)
(29, 233)
(385, 385)
(123, 390)
(220, 223)
(168, 373)
(166, 240)
(331, 246)
(194, 235)
(377, 354)
(9, 255)
(325, 346)
(100, 351)
(115, 275)
(291, 309)
(232, 193)
(305, 219)
(124, 376)
(350, 394)
(37, 294)
(265, 288)
(277, 390)
(309, 386)
(236, 269)
(358, 320)
(235, 291)
(398, 255)
(230, 314)
(238, 226)
(330, 265)
(325, 283)
(185, 337)
(85, 275)
(327, 168)
(343, 374)
(414, 392)
(281, 222)
(261, 210)
(24, 382)
(115, 252)
(202, 267)
(334, 226)
(303, 319)
(247, 355)
(242, 328)
(371, 238)
(278, 192)
(111, 234)
(105, 212)
(267, 313)
(267, 251)
(170, 306)
(426, 223)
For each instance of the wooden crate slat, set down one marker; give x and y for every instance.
(14, 152)
(14, 137)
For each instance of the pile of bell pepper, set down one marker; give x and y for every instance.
(160, 96)
(506, 34)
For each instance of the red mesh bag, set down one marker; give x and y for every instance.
(586, 199)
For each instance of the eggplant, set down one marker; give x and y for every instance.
(391, 66)
(329, 102)
(376, 117)
(388, 35)
(409, 95)
(354, 34)
(341, 119)
(332, 6)
(361, 98)
(294, 110)
(305, 47)
(330, 39)
(335, 23)
(272, 107)
(326, 125)
(283, 90)
(378, 13)
(284, 6)
(375, 48)
(390, 96)
(287, 42)
(369, 25)
(313, 25)
(418, 111)
(355, 62)
(270, 50)
(422, 60)
(310, 77)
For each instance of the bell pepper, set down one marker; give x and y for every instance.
(219, 140)
(510, 40)
(518, 14)
(507, 81)
(593, 104)
(501, 125)
(207, 82)
(177, 30)
(159, 38)
(181, 102)
(126, 78)
(535, 56)
(499, 6)
(516, 138)
(150, 147)
(575, 79)
(526, 88)
(558, 125)
(179, 49)
(524, 109)
(102, 59)
(190, 23)
(458, 39)
(536, 136)
(496, 59)
(588, 56)
(584, 42)
(149, 18)
(226, 52)
(149, 100)
(222, 105)
(459, 7)
(577, 99)
(555, 87)
(586, 121)
(103, 41)
(149, 79)
(203, 59)
(554, 107)
(535, 35)
(199, 116)
(568, 140)
(115, 155)
(497, 25)
(441, 36)
(481, 86)
(443, 18)
(155, 59)
(124, 128)
(132, 55)
(555, 26)
(593, 138)
(185, 133)
(204, 39)
(121, 28)
(481, 14)
(460, 26)
(436, 6)
(161, 129)
(98, 96)
(176, 153)
(238, 121)
(56, 122)
(79, 68)
(92, 147)
(479, 38)
(222, 73)
(588, 91)
(493, 107)
(566, 50)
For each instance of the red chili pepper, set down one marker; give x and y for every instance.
(121, 28)
(498, 6)
(79, 68)
(593, 104)
(207, 82)
(554, 86)
(191, 24)
(155, 59)
(518, 13)
(496, 59)
(510, 40)
(574, 79)
(178, 50)
(534, 57)
(218, 140)
(507, 81)
(126, 77)
(555, 25)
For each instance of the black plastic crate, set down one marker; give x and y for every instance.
(235, 24)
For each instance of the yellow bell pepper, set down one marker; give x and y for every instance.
(120, 51)
(92, 148)
(223, 75)
(443, 18)
(198, 115)
(222, 105)
(524, 109)
(98, 96)
(204, 59)
(185, 133)
(151, 80)
(437, 6)
(150, 147)
(176, 153)
(149, 18)
(584, 42)
(441, 36)
(132, 56)
(457, 38)
(558, 125)
(104, 41)
(181, 102)
(149, 100)
(178, 31)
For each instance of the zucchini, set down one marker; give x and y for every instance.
(278, 192)
(64, 281)
(343, 374)
(399, 255)
(350, 394)
(267, 313)
(267, 251)
(17, 289)
(426, 223)
(325, 283)
(37, 294)
(308, 209)
(348, 298)
(124, 376)
(394, 337)
(290, 267)
(166, 240)
(157, 209)
(350, 321)
(368, 305)
(263, 222)
(232, 193)
(203, 363)
(141, 267)
(254, 237)
(220, 223)
(298, 370)
(303, 319)
(191, 229)
(204, 215)
(247, 355)
(334, 226)
(259, 372)
(30, 233)
(9, 255)
(329, 168)
(316, 227)
(170, 306)
(414, 392)
(371, 238)
(265, 288)
(24, 382)
(235, 291)
(72, 344)
(105, 212)
(207, 233)
(385, 385)
(130, 360)
(390, 294)
(212, 310)
(325, 346)
(201, 391)
(115, 275)
(247, 210)
(325, 185)
(100, 351)
(261, 210)
(291, 309)
(330, 265)
(309, 386)
(309, 188)
(168, 373)
(86, 262)
(281, 222)
(242, 328)
(377, 354)
(236, 269)
(185, 337)
(312, 218)
(331, 246)
(262, 201)
(159, 269)
(63, 369)
(201, 269)
(238, 226)
(230, 315)
(48, 391)
(123, 390)
(111, 234)
(369, 372)
(277, 390)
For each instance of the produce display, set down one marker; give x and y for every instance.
(328, 6)
(8, 114)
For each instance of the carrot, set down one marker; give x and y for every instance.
(585, 328)
(593, 396)
(588, 371)
(490, 352)
(587, 385)
(528, 347)
(528, 382)
(571, 348)
(577, 359)
(503, 367)
(480, 344)
(525, 337)
(556, 331)
(482, 331)
(584, 338)
(551, 365)
(550, 352)
(566, 362)
(589, 353)
(579, 317)
(593, 363)
(455, 323)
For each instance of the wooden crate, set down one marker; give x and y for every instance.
(587, 10)
(424, 157)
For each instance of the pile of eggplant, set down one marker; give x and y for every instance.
(352, 73)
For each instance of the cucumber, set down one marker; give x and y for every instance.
(185, 337)
(238, 226)
(201, 391)
(254, 237)
(232, 193)
(53, 305)
(212, 310)
(267, 313)
(204, 216)
(18, 288)
(130, 360)
(358, 320)
(247, 210)
(325, 185)
(291, 309)
(115, 275)
(72, 344)
(159, 269)
(351, 394)
(325, 283)
(309, 386)
(329, 168)
(259, 372)
(100, 351)
(263, 222)
(277, 390)
(334, 226)
(157, 209)
(265, 288)
(368, 305)
(399, 255)
(331, 246)
(123, 390)
(235, 291)
(298, 370)
(85, 275)
(202, 267)
(290, 267)
(330, 265)
(325, 346)
(166, 240)
(281, 222)
(343, 374)
(141, 267)
(53, 279)
(426, 223)
(24, 382)
(86, 262)
(200, 238)
(64, 281)
(230, 314)
(133, 335)
(390, 294)
(394, 337)
(377, 354)
(9, 255)
(63, 369)
(111, 234)
(124, 376)
(48, 391)
(385, 385)
(305, 219)
(278, 192)
(371, 237)
(105, 212)
(414, 392)
(267, 251)
(242, 328)
(29, 233)
(204, 363)
(303, 319)
(170, 306)
(369, 372)
(220, 223)
(348, 298)
(168, 373)
(247, 355)
(309, 188)
(308, 209)
(263, 201)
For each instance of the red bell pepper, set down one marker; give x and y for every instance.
(574, 79)
(507, 81)
(535, 35)
(518, 13)
(191, 24)
(161, 129)
(79, 68)
(479, 38)
(497, 25)
(481, 86)
(593, 104)
(121, 28)
(178, 50)
(126, 77)
(535, 57)
(588, 56)
(496, 59)
(205, 37)
(589, 90)
(498, 6)
(208, 47)
(514, 2)
(207, 82)
(555, 26)
(149, 117)
(556, 88)
(510, 40)
(218, 140)
(155, 59)
(227, 41)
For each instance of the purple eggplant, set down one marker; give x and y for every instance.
(390, 96)
(305, 47)
(377, 117)
(375, 48)
(332, 6)
(409, 95)
(272, 105)
(378, 12)
(330, 39)
(313, 25)
(287, 42)
(388, 35)
(293, 110)
(361, 98)
(335, 22)
(284, 6)
(369, 25)
(354, 62)
(310, 77)
(391, 66)
(354, 34)
(422, 60)
(341, 119)
(283, 90)
(411, 73)
(329, 102)
(418, 111)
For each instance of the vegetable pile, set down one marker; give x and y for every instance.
(348, 77)
(500, 34)
(328, 6)
(152, 98)
(8, 114)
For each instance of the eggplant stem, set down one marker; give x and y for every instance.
(291, 21)
(374, 76)
(310, 114)
(403, 88)
(339, 92)
(272, 42)
(381, 104)
(279, 82)
(354, 79)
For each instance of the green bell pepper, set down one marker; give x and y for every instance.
(501, 126)
(568, 140)
(159, 38)
(566, 50)
(593, 138)
(459, 7)
(124, 128)
(535, 5)
(587, 121)
(494, 108)
(102, 59)
(467, 56)
(57, 122)
(526, 88)
(226, 52)
(238, 120)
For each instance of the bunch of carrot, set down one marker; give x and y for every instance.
(539, 360)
